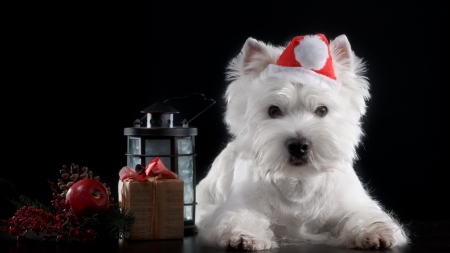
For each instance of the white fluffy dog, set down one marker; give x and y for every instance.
(287, 175)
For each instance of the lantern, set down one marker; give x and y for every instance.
(174, 145)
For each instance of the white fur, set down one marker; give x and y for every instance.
(253, 198)
(302, 75)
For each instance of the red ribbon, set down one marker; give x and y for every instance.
(155, 168)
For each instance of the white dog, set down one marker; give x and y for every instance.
(287, 175)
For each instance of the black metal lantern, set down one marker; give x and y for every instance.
(174, 145)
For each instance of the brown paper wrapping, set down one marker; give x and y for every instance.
(158, 208)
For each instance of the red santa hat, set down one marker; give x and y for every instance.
(307, 59)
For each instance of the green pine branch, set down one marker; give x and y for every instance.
(120, 222)
(114, 224)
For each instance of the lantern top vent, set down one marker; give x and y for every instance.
(161, 115)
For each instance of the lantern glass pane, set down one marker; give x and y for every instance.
(186, 173)
(132, 161)
(188, 213)
(185, 146)
(134, 145)
(164, 160)
(157, 147)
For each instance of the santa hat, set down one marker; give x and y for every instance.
(307, 59)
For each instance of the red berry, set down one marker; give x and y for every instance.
(74, 232)
(61, 238)
(90, 233)
(58, 217)
(20, 238)
(50, 230)
(14, 230)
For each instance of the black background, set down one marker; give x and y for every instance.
(76, 74)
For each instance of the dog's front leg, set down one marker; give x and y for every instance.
(370, 228)
(241, 229)
(239, 222)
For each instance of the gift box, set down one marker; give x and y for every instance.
(157, 204)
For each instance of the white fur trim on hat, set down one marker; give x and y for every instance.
(311, 52)
(304, 76)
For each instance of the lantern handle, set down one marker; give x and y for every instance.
(185, 122)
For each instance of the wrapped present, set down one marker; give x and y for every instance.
(155, 196)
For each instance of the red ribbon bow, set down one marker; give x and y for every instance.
(155, 168)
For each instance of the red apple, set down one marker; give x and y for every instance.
(88, 197)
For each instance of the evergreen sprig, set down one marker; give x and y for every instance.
(119, 222)
(114, 224)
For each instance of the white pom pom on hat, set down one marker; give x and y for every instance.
(311, 52)
(307, 59)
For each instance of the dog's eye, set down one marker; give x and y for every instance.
(275, 112)
(321, 111)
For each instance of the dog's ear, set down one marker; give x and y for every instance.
(341, 52)
(252, 60)
(350, 70)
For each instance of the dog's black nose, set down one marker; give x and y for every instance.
(298, 147)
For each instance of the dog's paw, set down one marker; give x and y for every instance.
(240, 229)
(244, 242)
(379, 236)
(375, 240)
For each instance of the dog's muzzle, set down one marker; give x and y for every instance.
(298, 149)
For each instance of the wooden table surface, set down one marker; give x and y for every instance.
(427, 236)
